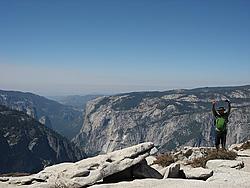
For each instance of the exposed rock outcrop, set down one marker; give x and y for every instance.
(139, 171)
(221, 165)
(118, 167)
(197, 173)
(229, 172)
(172, 183)
(170, 119)
(28, 146)
(87, 171)
(172, 171)
(241, 146)
(64, 119)
(45, 121)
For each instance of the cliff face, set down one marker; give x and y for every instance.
(169, 119)
(28, 146)
(65, 120)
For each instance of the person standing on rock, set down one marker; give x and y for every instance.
(221, 120)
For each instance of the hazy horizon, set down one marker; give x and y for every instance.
(59, 48)
(114, 93)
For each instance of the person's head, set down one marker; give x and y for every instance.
(221, 110)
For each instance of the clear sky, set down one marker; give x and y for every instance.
(59, 47)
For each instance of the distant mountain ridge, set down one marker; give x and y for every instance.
(170, 119)
(28, 146)
(76, 101)
(65, 119)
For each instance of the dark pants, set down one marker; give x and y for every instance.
(220, 138)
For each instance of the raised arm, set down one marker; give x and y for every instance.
(229, 107)
(213, 109)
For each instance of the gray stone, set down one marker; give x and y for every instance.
(239, 146)
(172, 171)
(124, 175)
(45, 121)
(160, 169)
(172, 183)
(231, 177)
(142, 170)
(138, 171)
(27, 146)
(187, 152)
(244, 153)
(87, 171)
(163, 171)
(154, 183)
(198, 152)
(153, 151)
(246, 161)
(221, 165)
(150, 160)
(128, 118)
(179, 155)
(197, 173)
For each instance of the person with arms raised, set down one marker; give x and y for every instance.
(221, 120)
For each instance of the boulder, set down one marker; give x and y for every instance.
(221, 165)
(124, 175)
(172, 171)
(246, 161)
(163, 171)
(153, 151)
(197, 173)
(231, 172)
(159, 168)
(235, 147)
(88, 171)
(198, 152)
(138, 171)
(241, 146)
(150, 160)
(179, 156)
(231, 177)
(244, 153)
(187, 152)
(142, 170)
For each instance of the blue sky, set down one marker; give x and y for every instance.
(107, 46)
